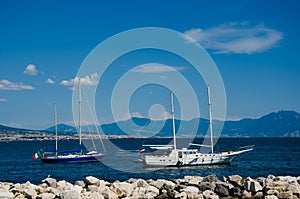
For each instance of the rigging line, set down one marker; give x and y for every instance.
(88, 126)
(95, 121)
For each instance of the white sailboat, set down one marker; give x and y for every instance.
(75, 155)
(186, 156)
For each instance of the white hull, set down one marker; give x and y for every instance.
(189, 157)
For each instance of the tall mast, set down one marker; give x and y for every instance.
(173, 120)
(55, 124)
(79, 103)
(210, 120)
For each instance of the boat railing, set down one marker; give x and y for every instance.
(200, 145)
(246, 148)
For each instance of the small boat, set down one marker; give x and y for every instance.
(70, 156)
(172, 156)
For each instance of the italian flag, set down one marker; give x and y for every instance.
(37, 155)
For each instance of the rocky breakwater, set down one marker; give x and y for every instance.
(209, 187)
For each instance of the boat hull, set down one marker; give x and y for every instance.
(72, 158)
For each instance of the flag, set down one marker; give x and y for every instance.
(37, 155)
(142, 150)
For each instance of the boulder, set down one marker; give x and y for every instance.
(208, 194)
(246, 194)
(221, 189)
(169, 185)
(138, 192)
(50, 182)
(192, 192)
(90, 180)
(70, 194)
(122, 188)
(29, 192)
(258, 195)
(142, 183)
(236, 192)
(276, 185)
(210, 178)
(95, 195)
(46, 196)
(294, 188)
(255, 187)
(80, 183)
(285, 195)
(158, 183)
(61, 185)
(206, 186)
(6, 194)
(193, 180)
(236, 180)
(153, 190)
(109, 194)
(271, 197)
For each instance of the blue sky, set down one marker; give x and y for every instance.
(43, 43)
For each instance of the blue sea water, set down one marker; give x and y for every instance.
(276, 156)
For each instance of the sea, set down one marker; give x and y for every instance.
(276, 156)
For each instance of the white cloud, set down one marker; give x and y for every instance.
(7, 85)
(3, 100)
(50, 81)
(91, 80)
(31, 70)
(156, 68)
(235, 37)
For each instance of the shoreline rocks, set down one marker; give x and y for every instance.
(190, 187)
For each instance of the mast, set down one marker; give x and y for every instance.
(173, 120)
(55, 124)
(210, 120)
(79, 118)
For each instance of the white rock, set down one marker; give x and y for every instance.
(29, 192)
(92, 188)
(80, 183)
(193, 180)
(255, 187)
(286, 195)
(70, 194)
(158, 183)
(169, 184)
(208, 194)
(90, 180)
(50, 181)
(294, 187)
(271, 197)
(192, 192)
(6, 194)
(142, 183)
(122, 188)
(46, 196)
(153, 190)
(95, 195)
(61, 185)
(138, 192)
(237, 180)
(273, 192)
(109, 194)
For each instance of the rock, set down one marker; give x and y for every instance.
(259, 195)
(246, 194)
(54, 191)
(80, 183)
(153, 190)
(192, 192)
(271, 197)
(109, 194)
(294, 188)
(236, 180)
(95, 195)
(6, 194)
(276, 185)
(122, 188)
(261, 181)
(211, 178)
(50, 182)
(207, 186)
(273, 192)
(158, 183)
(90, 180)
(138, 192)
(46, 196)
(221, 189)
(193, 180)
(29, 192)
(255, 187)
(236, 191)
(181, 195)
(298, 179)
(20, 196)
(61, 185)
(162, 196)
(70, 194)
(169, 185)
(286, 195)
(209, 194)
(142, 183)
(92, 188)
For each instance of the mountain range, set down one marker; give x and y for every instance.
(275, 124)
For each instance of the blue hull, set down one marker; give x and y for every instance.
(66, 159)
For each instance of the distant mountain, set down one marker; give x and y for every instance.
(279, 124)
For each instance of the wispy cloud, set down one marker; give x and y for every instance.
(236, 37)
(50, 81)
(7, 85)
(31, 70)
(156, 68)
(89, 80)
(3, 100)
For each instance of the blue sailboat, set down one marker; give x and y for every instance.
(70, 156)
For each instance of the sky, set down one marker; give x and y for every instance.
(43, 44)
